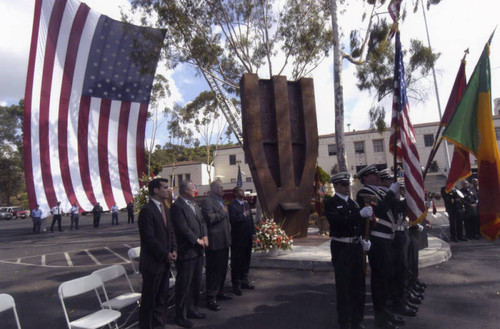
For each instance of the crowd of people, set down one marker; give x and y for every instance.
(57, 212)
(374, 224)
(462, 206)
(188, 234)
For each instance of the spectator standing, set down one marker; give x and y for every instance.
(191, 236)
(242, 233)
(216, 217)
(74, 216)
(114, 215)
(158, 250)
(36, 214)
(56, 213)
(130, 211)
(97, 211)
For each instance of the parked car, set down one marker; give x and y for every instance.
(13, 213)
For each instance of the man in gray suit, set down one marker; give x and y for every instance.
(216, 217)
(191, 234)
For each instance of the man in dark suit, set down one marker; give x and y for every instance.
(191, 234)
(97, 211)
(242, 233)
(216, 216)
(158, 250)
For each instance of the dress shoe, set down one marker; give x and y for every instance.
(185, 323)
(413, 299)
(237, 291)
(397, 320)
(385, 325)
(418, 289)
(196, 315)
(247, 286)
(403, 309)
(359, 325)
(412, 306)
(420, 283)
(213, 306)
(224, 297)
(462, 239)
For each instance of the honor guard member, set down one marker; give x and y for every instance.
(381, 255)
(346, 230)
(402, 240)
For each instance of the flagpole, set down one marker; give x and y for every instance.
(436, 89)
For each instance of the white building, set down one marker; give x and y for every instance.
(191, 170)
(363, 147)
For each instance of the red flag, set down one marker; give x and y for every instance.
(460, 164)
(402, 130)
(86, 104)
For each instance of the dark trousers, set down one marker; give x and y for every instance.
(381, 258)
(114, 219)
(74, 221)
(131, 217)
(240, 263)
(56, 218)
(154, 297)
(97, 219)
(216, 272)
(469, 223)
(37, 223)
(187, 286)
(452, 217)
(347, 260)
(413, 249)
(401, 245)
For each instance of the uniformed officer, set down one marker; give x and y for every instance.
(381, 255)
(347, 245)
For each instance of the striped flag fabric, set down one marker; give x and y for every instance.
(402, 131)
(86, 103)
(471, 128)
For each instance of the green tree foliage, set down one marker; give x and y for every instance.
(323, 176)
(11, 150)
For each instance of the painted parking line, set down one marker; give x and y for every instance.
(68, 259)
(92, 257)
(43, 260)
(116, 254)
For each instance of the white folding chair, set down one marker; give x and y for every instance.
(6, 303)
(123, 300)
(133, 255)
(95, 319)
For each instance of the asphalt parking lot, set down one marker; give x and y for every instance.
(463, 292)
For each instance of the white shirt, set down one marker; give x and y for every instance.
(342, 196)
(74, 210)
(56, 210)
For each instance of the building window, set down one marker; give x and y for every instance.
(428, 140)
(497, 132)
(232, 159)
(233, 180)
(378, 145)
(359, 147)
(249, 179)
(332, 149)
(179, 179)
(188, 176)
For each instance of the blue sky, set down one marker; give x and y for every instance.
(455, 25)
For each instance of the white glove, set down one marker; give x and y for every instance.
(428, 204)
(366, 244)
(366, 212)
(420, 227)
(395, 188)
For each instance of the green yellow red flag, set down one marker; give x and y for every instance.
(471, 127)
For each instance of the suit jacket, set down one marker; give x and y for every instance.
(217, 223)
(242, 227)
(189, 227)
(156, 239)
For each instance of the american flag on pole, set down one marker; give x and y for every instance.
(86, 104)
(402, 130)
(239, 180)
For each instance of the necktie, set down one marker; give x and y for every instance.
(163, 214)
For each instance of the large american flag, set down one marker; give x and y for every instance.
(86, 105)
(402, 130)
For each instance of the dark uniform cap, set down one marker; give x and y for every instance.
(385, 174)
(340, 177)
(367, 170)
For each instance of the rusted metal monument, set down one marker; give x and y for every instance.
(280, 137)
